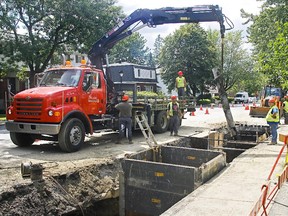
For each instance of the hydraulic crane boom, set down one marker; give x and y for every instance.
(152, 18)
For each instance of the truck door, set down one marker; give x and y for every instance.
(94, 93)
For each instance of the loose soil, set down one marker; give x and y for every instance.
(72, 189)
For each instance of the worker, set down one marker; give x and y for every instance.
(272, 119)
(285, 109)
(125, 119)
(173, 114)
(180, 84)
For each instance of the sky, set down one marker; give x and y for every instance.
(230, 8)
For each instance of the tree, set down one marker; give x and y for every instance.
(132, 49)
(157, 49)
(279, 58)
(189, 50)
(238, 64)
(268, 35)
(36, 30)
(237, 67)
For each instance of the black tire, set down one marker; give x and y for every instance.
(71, 135)
(22, 139)
(161, 122)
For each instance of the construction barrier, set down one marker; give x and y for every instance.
(261, 202)
(201, 108)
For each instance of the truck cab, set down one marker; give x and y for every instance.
(65, 94)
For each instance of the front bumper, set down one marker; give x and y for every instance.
(33, 128)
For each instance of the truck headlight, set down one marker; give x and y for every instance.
(50, 113)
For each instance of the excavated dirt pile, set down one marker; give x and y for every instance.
(65, 194)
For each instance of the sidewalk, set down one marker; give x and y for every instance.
(235, 190)
(280, 203)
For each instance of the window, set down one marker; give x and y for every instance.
(148, 88)
(143, 73)
(91, 79)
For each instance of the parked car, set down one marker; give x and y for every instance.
(252, 99)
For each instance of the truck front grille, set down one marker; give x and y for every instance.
(28, 109)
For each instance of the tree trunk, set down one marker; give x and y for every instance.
(32, 79)
(225, 103)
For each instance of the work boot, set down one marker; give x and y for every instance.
(171, 134)
(273, 143)
(130, 142)
(175, 134)
(118, 142)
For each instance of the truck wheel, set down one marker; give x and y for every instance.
(161, 123)
(71, 135)
(22, 139)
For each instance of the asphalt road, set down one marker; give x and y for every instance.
(103, 145)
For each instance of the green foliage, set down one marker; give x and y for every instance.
(268, 34)
(230, 99)
(132, 49)
(2, 117)
(23, 74)
(157, 49)
(188, 50)
(6, 67)
(204, 101)
(238, 64)
(279, 59)
(52, 26)
(146, 94)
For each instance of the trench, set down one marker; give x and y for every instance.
(146, 183)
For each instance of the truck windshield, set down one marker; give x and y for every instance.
(239, 95)
(61, 78)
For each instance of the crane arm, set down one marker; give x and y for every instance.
(151, 18)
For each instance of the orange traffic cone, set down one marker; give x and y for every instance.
(207, 112)
(192, 114)
(201, 108)
(247, 107)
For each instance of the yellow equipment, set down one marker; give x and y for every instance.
(268, 93)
